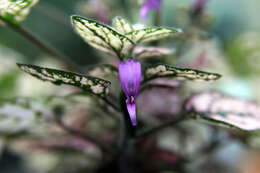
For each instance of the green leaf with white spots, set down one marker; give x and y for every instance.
(15, 11)
(104, 70)
(151, 34)
(102, 37)
(22, 114)
(122, 26)
(223, 110)
(87, 83)
(148, 52)
(162, 70)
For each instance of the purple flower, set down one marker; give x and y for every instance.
(148, 5)
(130, 77)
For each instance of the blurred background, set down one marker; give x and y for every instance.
(225, 39)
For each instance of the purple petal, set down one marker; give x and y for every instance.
(143, 12)
(148, 5)
(131, 107)
(130, 77)
(154, 4)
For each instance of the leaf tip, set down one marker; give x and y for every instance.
(19, 64)
(217, 76)
(179, 30)
(73, 18)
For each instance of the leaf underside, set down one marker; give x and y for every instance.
(102, 36)
(162, 70)
(147, 52)
(224, 110)
(87, 83)
(15, 11)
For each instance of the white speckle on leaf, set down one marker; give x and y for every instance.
(66, 80)
(77, 78)
(84, 81)
(90, 82)
(158, 70)
(97, 89)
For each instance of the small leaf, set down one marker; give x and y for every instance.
(151, 34)
(162, 70)
(147, 52)
(91, 84)
(15, 11)
(21, 114)
(224, 110)
(102, 36)
(103, 70)
(121, 25)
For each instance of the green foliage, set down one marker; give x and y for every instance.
(162, 70)
(243, 54)
(87, 83)
(8, 83)
(15, 11)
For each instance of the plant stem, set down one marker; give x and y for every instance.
(160, 127)
(111, 104)
(150, 86)
(41, 44)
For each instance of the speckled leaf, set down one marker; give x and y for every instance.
(103, 70)
(21, 114)
(147, 52)
(90, 84)
(162, 70)
(224, 110)
(151, 34)
(102, 36)
(15, 11)
(121, 25)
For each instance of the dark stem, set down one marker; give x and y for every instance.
(126, 130)
(41, 44)
(150, 86)
(154, 130)
(110, 104)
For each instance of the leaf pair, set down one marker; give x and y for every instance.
(100, 87)
(119, 40)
